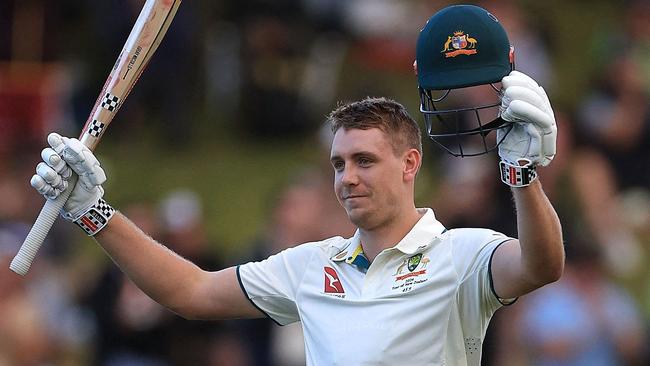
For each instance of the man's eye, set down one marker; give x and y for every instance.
(338, 165)
(364, 162)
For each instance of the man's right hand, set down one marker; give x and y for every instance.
(64, 156)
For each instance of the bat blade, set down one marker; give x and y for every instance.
(144, 39)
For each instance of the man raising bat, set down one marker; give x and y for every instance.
(403, 289)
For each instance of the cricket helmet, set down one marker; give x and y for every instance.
(459, 48)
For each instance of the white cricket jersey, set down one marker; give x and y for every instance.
(425, 301)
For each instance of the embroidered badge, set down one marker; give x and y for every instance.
(414, 261)
(416, 266)
(459, 43)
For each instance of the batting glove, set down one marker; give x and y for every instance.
(532, 139)
(85, 206)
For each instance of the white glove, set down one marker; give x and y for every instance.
(53, 173)
(534, 132)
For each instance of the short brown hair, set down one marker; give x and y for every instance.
(382, 113)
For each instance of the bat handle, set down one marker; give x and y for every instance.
(50, 211)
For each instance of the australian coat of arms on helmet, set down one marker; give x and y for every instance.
(459, 43)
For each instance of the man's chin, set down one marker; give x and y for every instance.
(360, 218)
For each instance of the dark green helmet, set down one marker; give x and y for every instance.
(461, 46)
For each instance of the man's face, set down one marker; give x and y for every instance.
(368, 181)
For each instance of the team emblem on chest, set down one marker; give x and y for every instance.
(410, 271)
(414, 261)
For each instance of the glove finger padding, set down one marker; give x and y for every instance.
(524, 112)
(51, 158)
(65, 156)
(516, 78)
(532, 138)
(43, 187)
(56, 142)
(80, 159)
(522, 94)
(51, 177)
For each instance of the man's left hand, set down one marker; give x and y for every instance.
(533, 137)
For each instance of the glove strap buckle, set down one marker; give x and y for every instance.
(517, 175)
(96, 218)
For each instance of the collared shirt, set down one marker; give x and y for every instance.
(425, 301)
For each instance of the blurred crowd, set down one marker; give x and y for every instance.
(264, 73)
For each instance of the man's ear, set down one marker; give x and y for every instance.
(412, 161)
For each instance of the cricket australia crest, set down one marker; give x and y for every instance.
(411, 273)
(459, 43)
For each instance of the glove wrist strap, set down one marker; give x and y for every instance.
(516, 175)
(96, 218)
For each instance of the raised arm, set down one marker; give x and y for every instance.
(165, 276)
(171, 280)
(537, 257)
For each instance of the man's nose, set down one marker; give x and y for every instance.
(349, 176)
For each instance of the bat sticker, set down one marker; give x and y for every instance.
(110, 102)
(96, 128)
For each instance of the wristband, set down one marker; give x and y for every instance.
(95, 218)
(516, 175)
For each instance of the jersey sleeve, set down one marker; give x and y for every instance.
(472, 255)
(271, 285)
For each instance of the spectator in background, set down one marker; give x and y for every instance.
(613, 157)
(183, 228)
(41, 322)
(273, 45)
(24, 337)
(615, 119)
(615, 116)
(196, 342)
(132, 328)
(583, 319)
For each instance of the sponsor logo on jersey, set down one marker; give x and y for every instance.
(459, 43)
(333, 284)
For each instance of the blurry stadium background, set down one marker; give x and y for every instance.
(220, 153)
